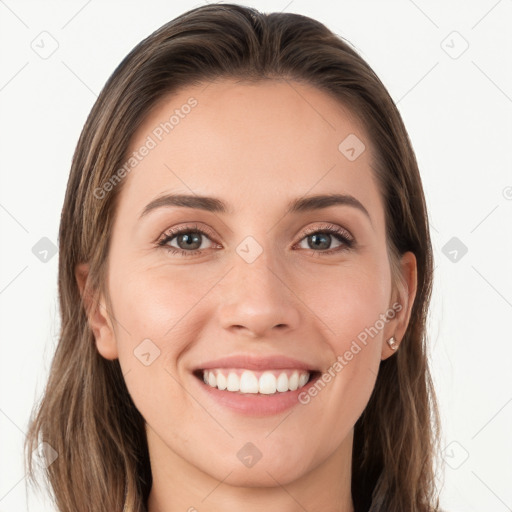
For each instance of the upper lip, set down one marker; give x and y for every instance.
(251, 362)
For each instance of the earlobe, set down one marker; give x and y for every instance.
(406, 295)
(97, 315)
(392, 343)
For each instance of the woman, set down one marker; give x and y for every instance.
(245, 273)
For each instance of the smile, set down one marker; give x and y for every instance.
(253, 392)
(269, 382)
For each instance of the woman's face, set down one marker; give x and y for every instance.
(254, 276)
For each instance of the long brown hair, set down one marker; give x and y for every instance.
(86, 413)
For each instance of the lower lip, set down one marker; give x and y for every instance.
(256, 404)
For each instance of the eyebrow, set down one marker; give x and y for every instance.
(216, 205)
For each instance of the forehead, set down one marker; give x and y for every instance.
(255, 145)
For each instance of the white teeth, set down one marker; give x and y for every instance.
(248, 383)
(268, 383)
(222, 383)
(233, 382)
(293, 381)
(282, 382)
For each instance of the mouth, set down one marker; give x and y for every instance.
(243, 381)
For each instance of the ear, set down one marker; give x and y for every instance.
(403, 300)
(97, 315)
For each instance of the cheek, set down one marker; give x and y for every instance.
(155, 302)
(156, 312)
(351, 304)
(348, 300)
(352, 313)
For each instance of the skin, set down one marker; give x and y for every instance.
(255, 146)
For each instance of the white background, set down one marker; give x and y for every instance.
(458, 113)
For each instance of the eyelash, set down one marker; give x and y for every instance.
(340, 234)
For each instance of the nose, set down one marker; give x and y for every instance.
(256, 299)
